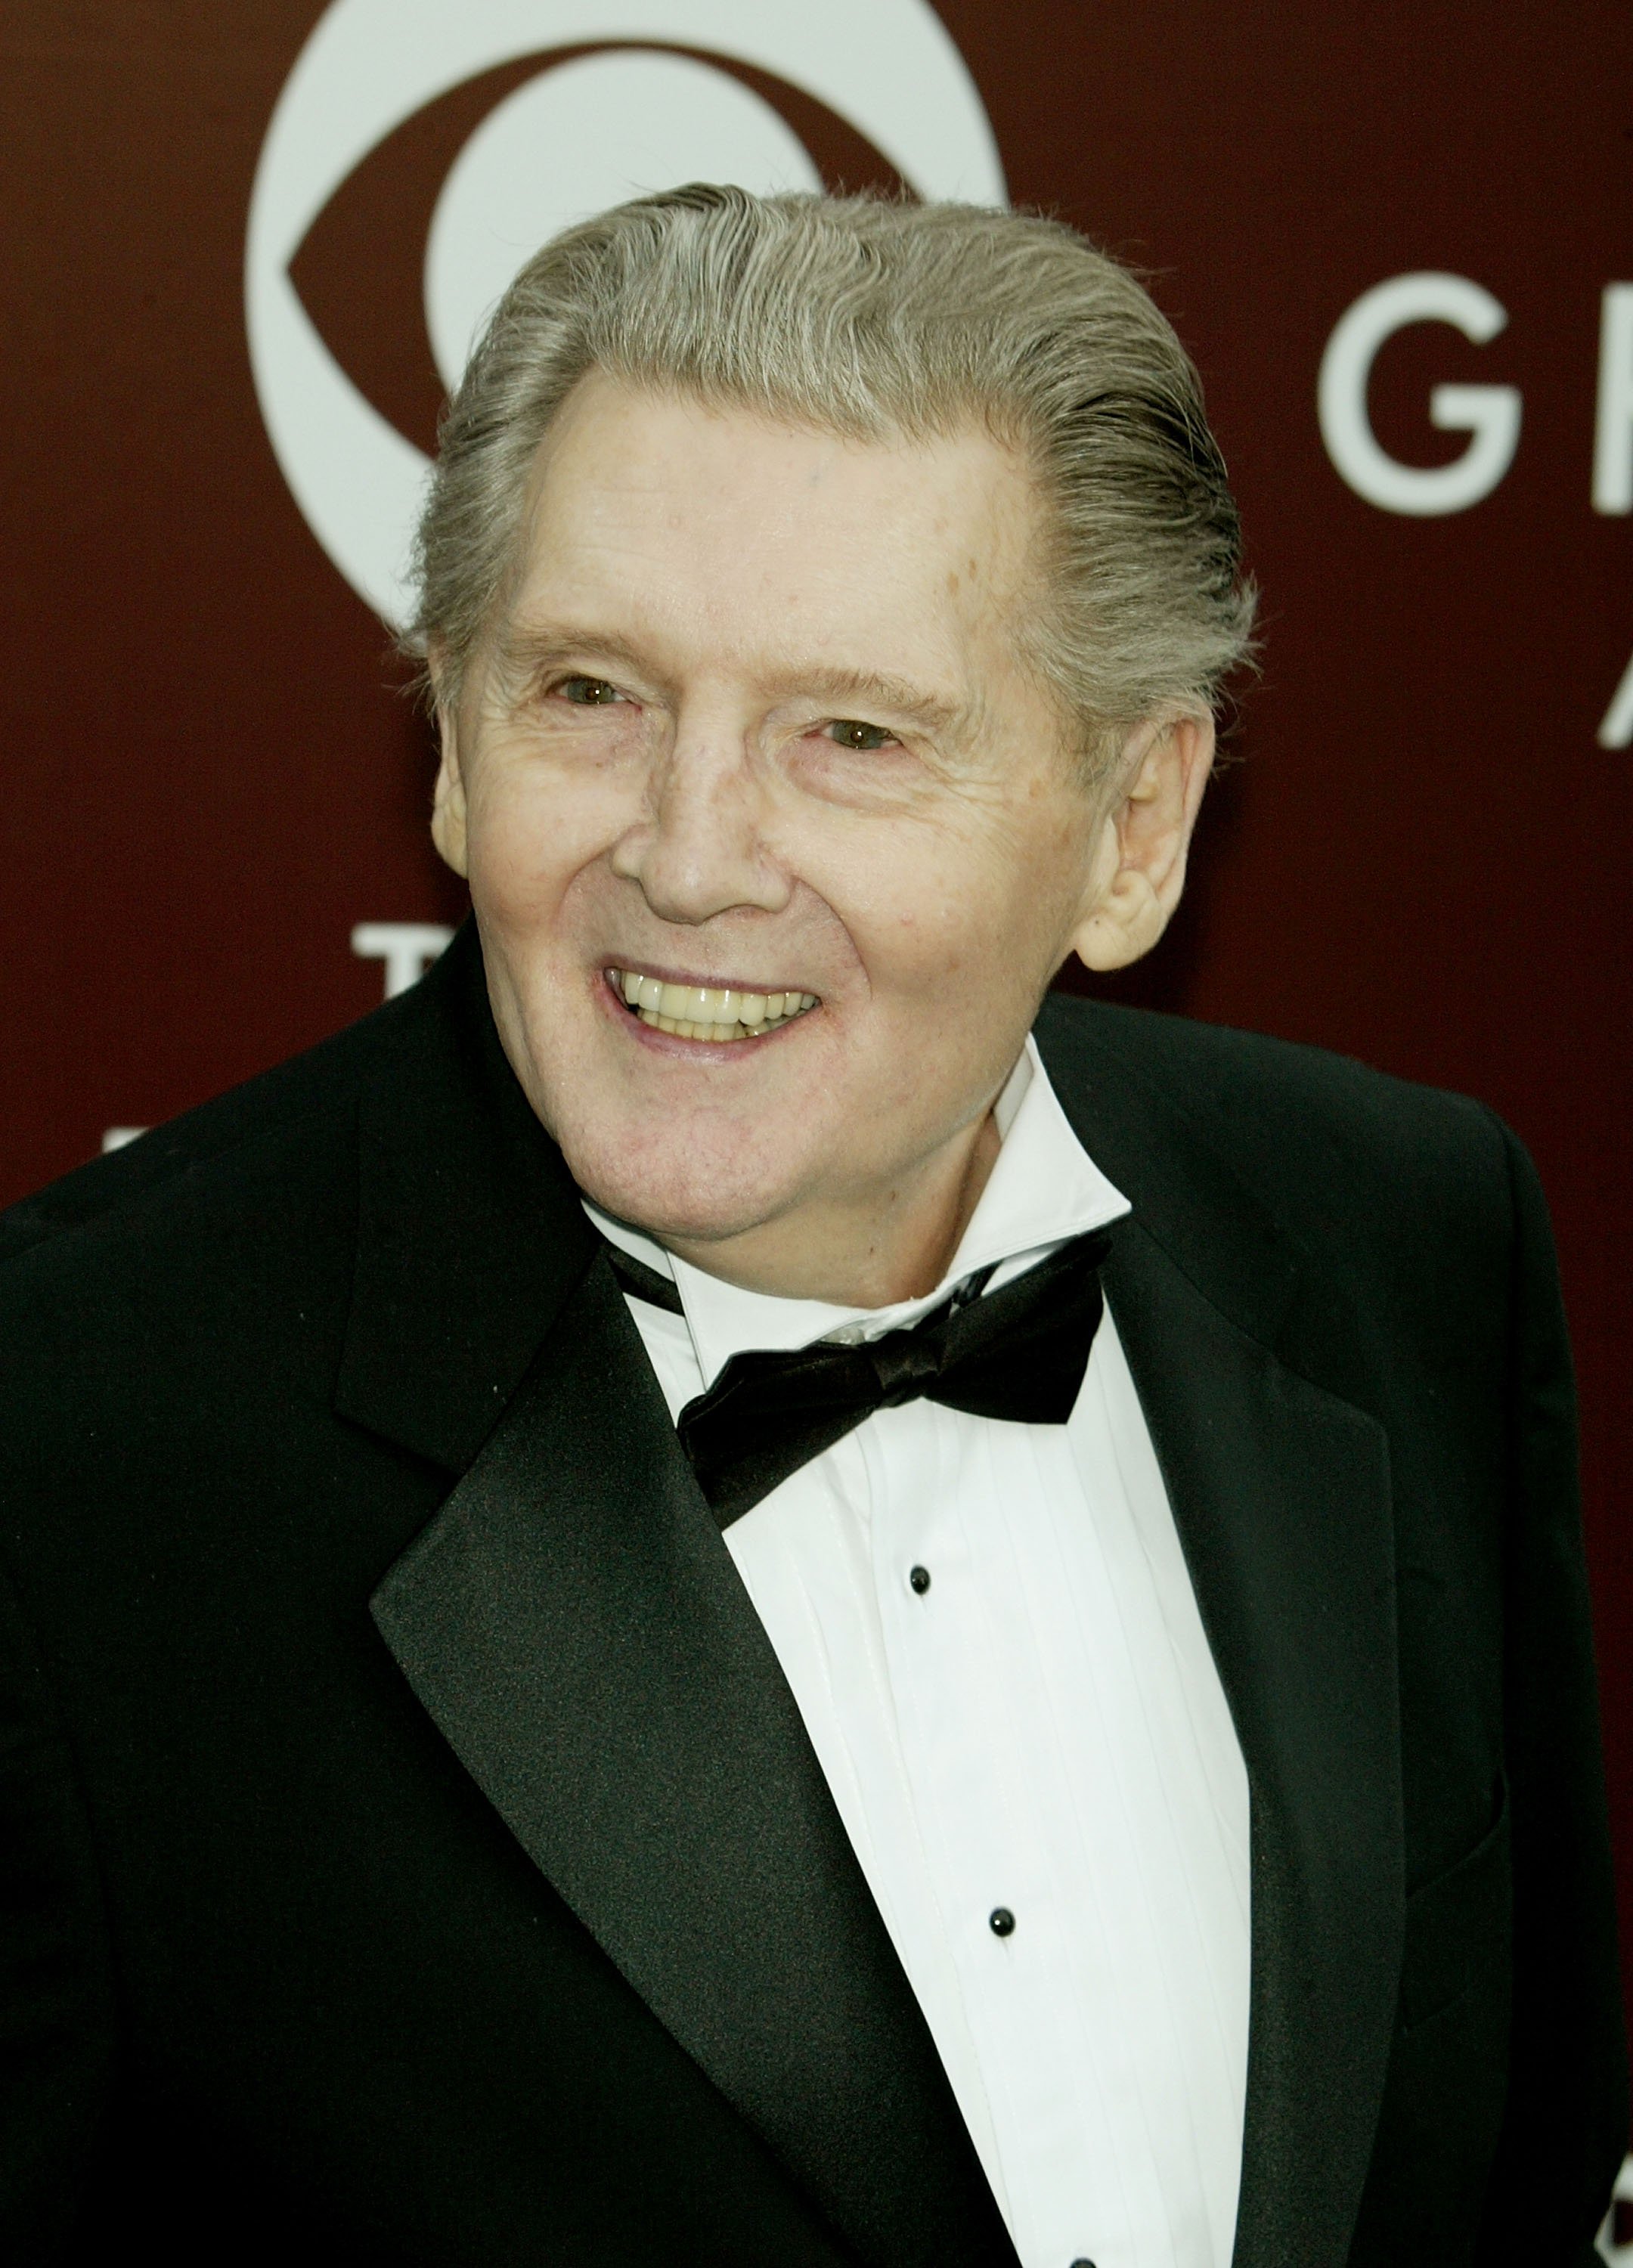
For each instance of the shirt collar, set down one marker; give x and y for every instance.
(1043, 1188)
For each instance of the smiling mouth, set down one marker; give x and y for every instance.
(701, 1012)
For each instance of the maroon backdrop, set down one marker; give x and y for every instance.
(212, 773)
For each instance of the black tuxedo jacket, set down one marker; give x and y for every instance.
(410, 1852)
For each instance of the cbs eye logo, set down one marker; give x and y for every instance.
(421, 149)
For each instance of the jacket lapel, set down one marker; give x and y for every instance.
(1281, 1493)
(573, 1621)
(1280, 1490)
(574, 1624)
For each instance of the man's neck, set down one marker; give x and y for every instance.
(870, 1252)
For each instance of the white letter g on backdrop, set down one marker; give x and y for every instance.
(1489, 415)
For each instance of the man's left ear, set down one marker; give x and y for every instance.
(1138, 871)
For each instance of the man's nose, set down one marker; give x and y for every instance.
(700, 850)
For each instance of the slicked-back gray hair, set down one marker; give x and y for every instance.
(878, 320)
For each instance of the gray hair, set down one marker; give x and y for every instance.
(878, 320)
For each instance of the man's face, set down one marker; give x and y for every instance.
(754, 724)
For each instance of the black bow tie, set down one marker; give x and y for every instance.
(1019, 1353)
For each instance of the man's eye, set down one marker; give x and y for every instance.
(851, 733)
(587, 692)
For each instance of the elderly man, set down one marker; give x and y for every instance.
(730, 1589)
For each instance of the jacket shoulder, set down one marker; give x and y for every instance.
(1249, 1085)
(1335, 1149)
(236, 1138)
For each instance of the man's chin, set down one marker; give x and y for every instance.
(683, 1210)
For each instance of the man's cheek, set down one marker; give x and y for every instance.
(526, 849)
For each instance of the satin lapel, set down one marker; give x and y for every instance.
(573, 1621)
(1281, 1493)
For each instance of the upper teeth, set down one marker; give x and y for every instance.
(699, 1011)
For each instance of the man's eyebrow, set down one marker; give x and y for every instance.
(877, 690)
(527, 650)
